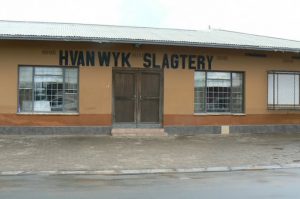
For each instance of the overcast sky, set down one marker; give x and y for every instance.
(278, 18)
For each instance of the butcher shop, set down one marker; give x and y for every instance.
(57, 78)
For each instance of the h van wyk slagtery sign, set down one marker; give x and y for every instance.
(122, 59)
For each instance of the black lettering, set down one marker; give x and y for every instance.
(200, 62)
(192, 62)
(90, 58)
(125, 59)
(174, 61)
(104, 58)
(116, 57)
(183, 57)
(154, 65)
(80, 61)
(147, 60)
(63, 58)
(165, 62)
(74, 57)
(209, 60)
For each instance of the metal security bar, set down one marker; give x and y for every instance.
(283, 90)
(218, 92)
(48, 89)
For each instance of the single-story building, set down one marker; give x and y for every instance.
(82, 78)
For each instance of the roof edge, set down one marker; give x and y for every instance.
(258, 35)
(94, 24)
(149, 42)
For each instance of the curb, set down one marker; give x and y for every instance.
(153, 171)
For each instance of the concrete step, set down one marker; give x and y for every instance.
(145, 132)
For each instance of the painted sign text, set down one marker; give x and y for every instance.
(123, 59)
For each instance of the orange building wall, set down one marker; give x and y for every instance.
(95, 85)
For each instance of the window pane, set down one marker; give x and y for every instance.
(48, 89)
(25, 89)
(286, 89)
(218, 79)
(237, 81)
(199, 92)
(271, 88)
(70, 103)
(218, 92)
(218, 75)
(297, 89)
(237, 93)
(48, 71)
(25, 77)
(48, 92)
(71, 87)
(199, 79)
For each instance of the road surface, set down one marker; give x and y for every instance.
(251, 184)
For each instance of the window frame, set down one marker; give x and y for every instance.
(47, 112)
(223, 113)
(272, 107)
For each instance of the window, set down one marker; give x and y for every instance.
(283, 90)
(218, 92)
(48, 89)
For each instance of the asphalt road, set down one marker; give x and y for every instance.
(251, 184)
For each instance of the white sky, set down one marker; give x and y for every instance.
(279, 18)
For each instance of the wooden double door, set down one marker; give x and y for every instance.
(137, 98)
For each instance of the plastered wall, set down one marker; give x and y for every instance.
(96, 82)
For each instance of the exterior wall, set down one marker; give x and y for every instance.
(180, 111)
(95, 85)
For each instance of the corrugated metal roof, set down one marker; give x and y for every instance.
(142, 35)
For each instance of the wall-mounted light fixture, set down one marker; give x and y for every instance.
(137, 45)
(296, 57)
(259, 55)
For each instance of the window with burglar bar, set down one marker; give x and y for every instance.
(48, 89)
(283, 90)
(218, 92)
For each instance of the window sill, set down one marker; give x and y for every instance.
(36, 113)
(284, 109)
(237, 114)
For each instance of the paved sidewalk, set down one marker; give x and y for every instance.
(99, 153)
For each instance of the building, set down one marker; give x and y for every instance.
(92, 78)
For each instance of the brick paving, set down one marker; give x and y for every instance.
(45, 153)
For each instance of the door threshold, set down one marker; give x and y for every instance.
(143, 132)
(137, 126)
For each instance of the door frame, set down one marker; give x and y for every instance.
(137, 124)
